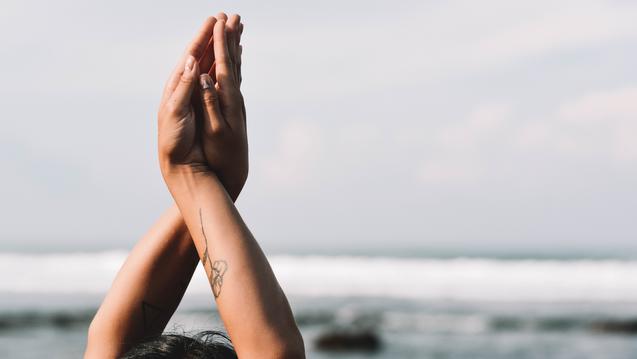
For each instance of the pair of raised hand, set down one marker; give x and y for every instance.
(202, 118)
(203, 156)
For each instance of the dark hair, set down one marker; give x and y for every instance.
(207, 344)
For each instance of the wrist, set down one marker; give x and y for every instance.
(188, 186)
(233, 182)
(171, 168)
(179, 175)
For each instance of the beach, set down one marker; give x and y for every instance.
(414, 307)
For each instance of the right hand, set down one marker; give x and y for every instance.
(224, 135)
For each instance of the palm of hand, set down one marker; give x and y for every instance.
(214, 136)
(181, 141)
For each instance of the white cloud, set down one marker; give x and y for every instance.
(599, 124)
(389, 103)
(448, 40)
(593, 127)
(298, 147)
(457, 154)
(616, 106)
(606, 121)
(482, 123)
(556, 28)
(450, 171)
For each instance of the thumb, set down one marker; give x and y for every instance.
(213, 120)
(181, 96)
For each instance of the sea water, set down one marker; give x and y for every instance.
(417, 307)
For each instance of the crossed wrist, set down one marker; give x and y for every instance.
(176, 173)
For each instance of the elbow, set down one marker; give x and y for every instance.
(288, 347)
(100, 342)
(92, 333)
(92, 339)
(294, 353)
(96, 331)
(293, 348)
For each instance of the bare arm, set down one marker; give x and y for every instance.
(251, 303)
(147, 289)
(151, 283)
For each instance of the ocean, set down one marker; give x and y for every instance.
(360, 306)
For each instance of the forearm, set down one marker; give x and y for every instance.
(147, 289)
(251, 303)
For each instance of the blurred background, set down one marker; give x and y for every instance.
(430, 179)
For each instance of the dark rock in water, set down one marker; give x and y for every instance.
(349, 341)
(33, 319)
(616, 326)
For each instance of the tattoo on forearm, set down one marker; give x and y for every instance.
(151, 314)
(216, 277)
(217, 269)
(205, 258)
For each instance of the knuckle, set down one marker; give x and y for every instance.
(186, 79)
(222, 74)
(174, 109)
(214, 131)
(170, 108)
(222, 63)
(210, 98)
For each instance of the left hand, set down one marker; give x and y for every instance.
(179, 141)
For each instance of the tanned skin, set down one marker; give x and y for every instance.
(204, 161)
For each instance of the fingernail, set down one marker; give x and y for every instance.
(206, 81)
(190, 62)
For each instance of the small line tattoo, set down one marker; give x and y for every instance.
(219, 268)
(206, 256)
(150, 315)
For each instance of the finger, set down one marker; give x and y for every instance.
(223, 62)
(240, 53)
(198, 45)
(232, 35)
(180, 98)
(232, 38)
(213, 72)
(208, 57)
(203, 36)
(239, 77)
(222, 16)
(173, 79)
(213, 120)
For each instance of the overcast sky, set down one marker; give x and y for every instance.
(504, 126)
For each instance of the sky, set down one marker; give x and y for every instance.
(374, 126)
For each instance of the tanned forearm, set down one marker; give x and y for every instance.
(194, 145)
(147, 289)
(251, 303)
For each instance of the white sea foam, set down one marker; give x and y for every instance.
(324, 276)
